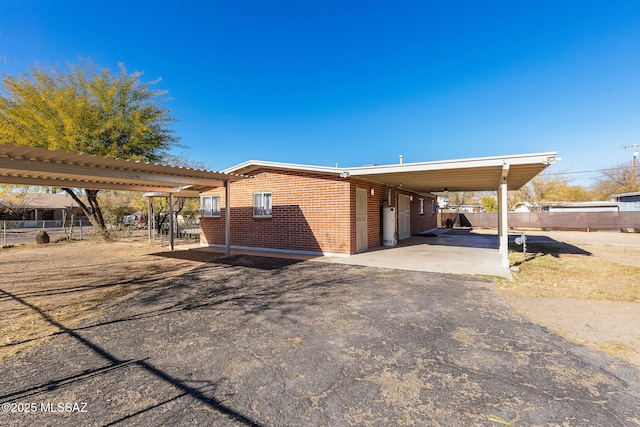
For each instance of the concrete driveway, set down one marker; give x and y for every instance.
(275, 342)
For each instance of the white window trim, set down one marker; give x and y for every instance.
(421, 200)
(268, 209)
(215, 213)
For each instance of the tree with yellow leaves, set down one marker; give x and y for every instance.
(86, 109)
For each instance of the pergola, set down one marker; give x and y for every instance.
(24, 165)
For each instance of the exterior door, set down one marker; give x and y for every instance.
(404, 217)
(362, 243)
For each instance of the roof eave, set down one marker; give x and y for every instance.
(252, 165)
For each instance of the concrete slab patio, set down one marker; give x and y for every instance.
(446, 251)
(274, 342)
(454, 251)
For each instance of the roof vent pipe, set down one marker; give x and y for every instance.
(401, 158)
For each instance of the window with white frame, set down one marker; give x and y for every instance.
(434, 206)
(210, 205)
(421, 206)
(262, 204)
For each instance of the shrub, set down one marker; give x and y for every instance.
(42, 237)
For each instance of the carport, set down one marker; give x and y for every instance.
(500, 173)
(24, 165)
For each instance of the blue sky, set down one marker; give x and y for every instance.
(360, 82)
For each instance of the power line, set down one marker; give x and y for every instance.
(591, 171)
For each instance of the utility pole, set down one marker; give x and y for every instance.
(635, 153)
(635, 161)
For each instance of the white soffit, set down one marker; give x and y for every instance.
(23, 165)
(477, 174)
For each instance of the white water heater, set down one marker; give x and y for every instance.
(389, 227)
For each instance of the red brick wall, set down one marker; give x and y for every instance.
(421, 222)
(310, 213)
(374, 212)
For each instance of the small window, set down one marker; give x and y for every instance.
(262, 204)
(434, 207)
(210, 205)
(421, 206)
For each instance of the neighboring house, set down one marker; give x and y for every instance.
(581, 207)
(442, 200)
(444, 203)
(33, 208)
(598, 206)
(628, 202)
(312, 210)
(467, 208)
(522, 207)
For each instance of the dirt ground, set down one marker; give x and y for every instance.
(74, 281)
(147, 337)
(588, 290)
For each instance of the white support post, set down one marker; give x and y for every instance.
(171, 225)
(499, 194)
(503, 227)
(153, 223)
(227, 219)
(149, 215)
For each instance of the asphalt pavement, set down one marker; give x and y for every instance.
(276, 342)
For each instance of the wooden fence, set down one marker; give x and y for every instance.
(589, 221)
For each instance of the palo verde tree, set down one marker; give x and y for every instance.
(87, 109)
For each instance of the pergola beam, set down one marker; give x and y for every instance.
(94, 173)
(24, 165)
(92, 184)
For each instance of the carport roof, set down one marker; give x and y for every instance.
(23, 165)
(474, 174)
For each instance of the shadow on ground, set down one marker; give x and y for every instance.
(262, 263)
(466, 237)
(263, 341)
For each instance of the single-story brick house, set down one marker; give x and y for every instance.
(320, 210)
(287, 207)
(309, 210)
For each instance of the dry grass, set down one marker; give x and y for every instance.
(46, 289)
(546, 272)
(589, 295)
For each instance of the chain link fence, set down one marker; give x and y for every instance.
(18, 232)
(184, 235)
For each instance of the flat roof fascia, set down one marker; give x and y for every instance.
(251, 165)
(632, 194)
(548, 157)
(480, 162)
